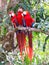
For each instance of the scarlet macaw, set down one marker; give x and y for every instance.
(21, 33)
(28, 22)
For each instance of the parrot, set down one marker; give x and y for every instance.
(22, 33)
(13, 18)
(29, 23)
(15, 24)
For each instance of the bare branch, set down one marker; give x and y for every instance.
(30, 29)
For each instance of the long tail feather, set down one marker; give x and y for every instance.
(30, 54)
(23, 39)
(18, 35)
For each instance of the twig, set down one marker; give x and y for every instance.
(31, 29)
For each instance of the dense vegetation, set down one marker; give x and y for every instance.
(38, 10)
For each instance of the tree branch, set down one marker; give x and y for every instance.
(29, 29)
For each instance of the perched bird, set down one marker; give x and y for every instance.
(14, 21)
(28, 19)
(28, 22)
(13, 18)
(19, 16)
(21, 33)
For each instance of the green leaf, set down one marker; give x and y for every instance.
(8, 1)
(26, 60)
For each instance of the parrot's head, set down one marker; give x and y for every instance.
(11, 14)
(25, 13)
(20, 9)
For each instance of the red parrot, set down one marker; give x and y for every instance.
(15, 23)
(29, 21)
(19, 16)
(13, 18)
(22, 33)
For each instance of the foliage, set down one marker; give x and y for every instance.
(42, 18)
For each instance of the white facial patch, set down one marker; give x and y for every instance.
(10, 15)
(24, 12)
(20, 10)
(13, 14)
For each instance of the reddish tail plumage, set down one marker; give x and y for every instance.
(22, 33)
(30, 55)
(23, 39)
(29, 21)
(29, 48)
(18, 35)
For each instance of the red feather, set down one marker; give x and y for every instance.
(29, 20)
(14, 20)
(29, 52)
(22, 33)
(19, 41)
(30, 45)
(19, 18)
(23, 39)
